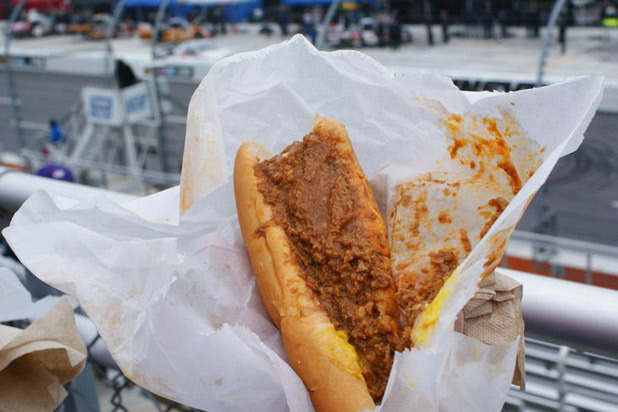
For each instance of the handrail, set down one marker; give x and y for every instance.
(581, 316)
(571, 244)
(159, 115)
(547, 37)
(559, 253)
(150, 176)
(109, 72)
(15, 106)
(16, 187)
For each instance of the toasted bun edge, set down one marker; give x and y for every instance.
(322, 356)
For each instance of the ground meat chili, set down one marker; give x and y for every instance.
(346, 265)
(416, 294)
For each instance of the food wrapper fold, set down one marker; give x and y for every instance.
(172, 293)
(37, 361)
(493, 316)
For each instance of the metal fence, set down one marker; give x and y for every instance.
(561, 379)
(577, 260)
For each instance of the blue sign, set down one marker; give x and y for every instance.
(135, 104)
(101, 107)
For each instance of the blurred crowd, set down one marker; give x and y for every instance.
(353, 24)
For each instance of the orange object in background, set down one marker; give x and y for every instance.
(13, 161)
(177, 29)
(78, 28)
(573, 274)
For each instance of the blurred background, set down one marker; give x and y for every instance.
(94, 95)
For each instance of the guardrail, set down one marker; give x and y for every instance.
(16, 187)
(566, 258)
(581, 316)
(148, 177)
(561, 379)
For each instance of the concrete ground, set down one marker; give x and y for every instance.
(589, 50)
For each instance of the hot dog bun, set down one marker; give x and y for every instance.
(322, 354)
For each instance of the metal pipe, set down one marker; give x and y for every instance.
(428, 21)
(157, 27)
(589, 273)
(108, 41)
(150, 176)
(581, 246)
(563, 355)
(16, 187)
(567, 313)
(9, 73)
(155, 83)
(547, 37)
(330, 13)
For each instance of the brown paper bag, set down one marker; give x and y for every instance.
(37, 361)
(494, 316)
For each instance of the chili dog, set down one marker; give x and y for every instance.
(319, 251)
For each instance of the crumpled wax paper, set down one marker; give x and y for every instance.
(174, 298)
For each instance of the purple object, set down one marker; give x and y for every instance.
(57, 172)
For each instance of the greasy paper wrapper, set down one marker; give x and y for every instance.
(174, 298)
(37, 361)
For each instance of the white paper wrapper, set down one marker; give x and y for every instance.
(440, 379)
(174, 299)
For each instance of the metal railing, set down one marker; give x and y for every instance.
(563, 256)
(38, 151)
(106, 170)
(16, 187)
(561, 379)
